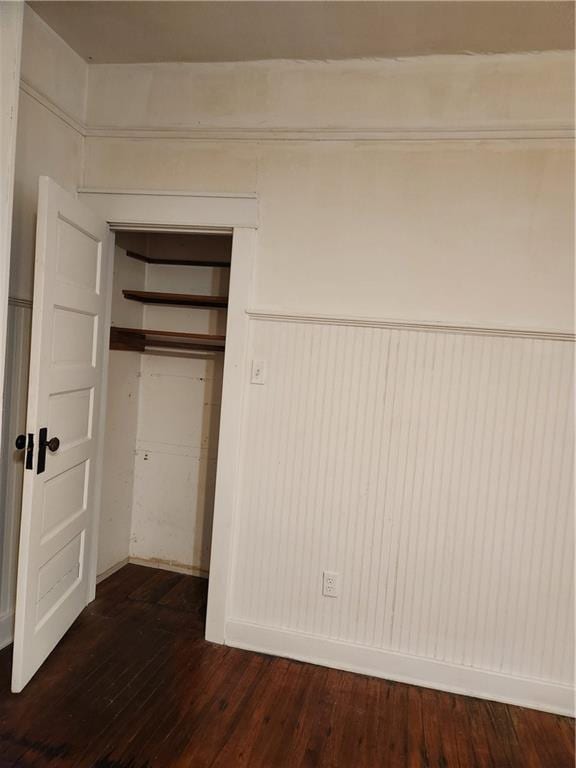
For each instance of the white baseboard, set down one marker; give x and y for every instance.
(415, 670)
(113, 568)
(164, 565)
(6, 629)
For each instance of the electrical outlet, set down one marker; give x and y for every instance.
(330, 584)
(258, 375)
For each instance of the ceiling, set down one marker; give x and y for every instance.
(131, 32)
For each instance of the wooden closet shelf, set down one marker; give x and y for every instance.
(141, 339)
(180, 262)
(177, 299)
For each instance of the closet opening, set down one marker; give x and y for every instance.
(164, 389)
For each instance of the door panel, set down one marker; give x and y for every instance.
(69, 342)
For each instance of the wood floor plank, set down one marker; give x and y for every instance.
(129, 729)
(134, 684)
(190, 594)
(156, 587)
(86, 711)
(538, 735)
(201, 728)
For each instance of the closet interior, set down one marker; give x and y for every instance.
(167, 341)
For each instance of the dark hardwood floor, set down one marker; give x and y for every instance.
(134, 685)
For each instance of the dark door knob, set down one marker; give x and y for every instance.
(21, 442)
(53, 444)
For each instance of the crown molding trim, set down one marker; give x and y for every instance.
(412, 325)
(51, 106)
(301, 133)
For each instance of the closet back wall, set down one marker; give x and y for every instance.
(177, 442)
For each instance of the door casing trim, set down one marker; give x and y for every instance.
(166, 211)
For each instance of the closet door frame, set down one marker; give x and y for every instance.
(159, 211)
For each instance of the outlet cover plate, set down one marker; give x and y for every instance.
(330, 584)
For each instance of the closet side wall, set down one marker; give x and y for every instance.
(121, 423)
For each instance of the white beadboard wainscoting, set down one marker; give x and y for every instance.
(431, 468)
(11, 471)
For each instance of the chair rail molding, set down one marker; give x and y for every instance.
(285, 316)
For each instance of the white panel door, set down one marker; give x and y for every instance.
(69, 341)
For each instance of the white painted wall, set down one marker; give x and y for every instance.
(431, 92)
(11, 17)
(431, 470)
(52, 69)
(11, 22)
(47, 144)
(475, 232)
(463, 231)
(53, 78)
(13, 423)
(176, 454)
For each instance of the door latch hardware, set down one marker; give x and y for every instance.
(21, 444)
(53, 444)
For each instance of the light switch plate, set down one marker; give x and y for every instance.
(258, 375)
